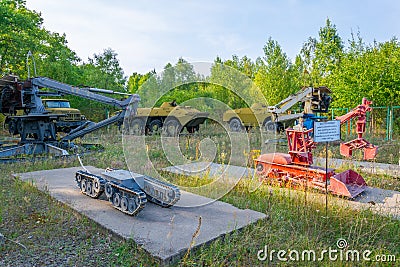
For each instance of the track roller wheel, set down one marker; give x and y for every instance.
(89, 188)
(124, 203)
(79, 178)
(132, 205)
(116, 200)
(96, 186)
(83, 185)
(109, 190)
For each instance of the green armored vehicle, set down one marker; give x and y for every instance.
(169, 119)
(241, 118)
(73, 117)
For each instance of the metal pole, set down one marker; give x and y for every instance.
(387, 123)
(350, 125)
(391, 124)
(326, 179)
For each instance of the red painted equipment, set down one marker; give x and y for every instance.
(346, 149)
(295, 168)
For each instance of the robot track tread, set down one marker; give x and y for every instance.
(154, 187)
(128, 200)
(90, 184)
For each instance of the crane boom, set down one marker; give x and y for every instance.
(44, 82)
(314, 99)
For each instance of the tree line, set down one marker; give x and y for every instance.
(352, 68)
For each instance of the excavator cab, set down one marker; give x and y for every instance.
(321, 99)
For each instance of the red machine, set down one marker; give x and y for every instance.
(346, 149)
(295, 168)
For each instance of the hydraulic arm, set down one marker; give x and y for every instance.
(313, 100)
(346, 149)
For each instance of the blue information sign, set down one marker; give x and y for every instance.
(326, 131)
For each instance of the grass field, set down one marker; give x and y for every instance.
(42, 232)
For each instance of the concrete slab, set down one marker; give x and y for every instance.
(166, 233)
(386, 202)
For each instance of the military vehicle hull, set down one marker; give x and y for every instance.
(169, 119)
(245, 118)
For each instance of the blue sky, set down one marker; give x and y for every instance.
(149, 34)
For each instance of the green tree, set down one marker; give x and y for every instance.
(149, 91)
(184, 73)
(57, 60)
(368, 71)
(168, 77)
(178, 82)
(136, 80)
(304, 64)
(230, 82)
(104, 71)
(275, 76)
(328, 50)
(20, 31)
(244, 64)
(320, 56)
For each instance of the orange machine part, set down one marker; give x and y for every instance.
(274, 165)
(279, 158)
(370, 150)
(348, 183)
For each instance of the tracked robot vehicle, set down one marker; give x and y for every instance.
(127, 191)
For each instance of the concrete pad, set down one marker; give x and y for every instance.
(166, 233)
(382, 201)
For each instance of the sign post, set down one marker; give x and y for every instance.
(325, 132)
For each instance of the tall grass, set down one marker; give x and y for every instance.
(296, 220)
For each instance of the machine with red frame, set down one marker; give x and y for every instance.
(295, 167)
(346, 149)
